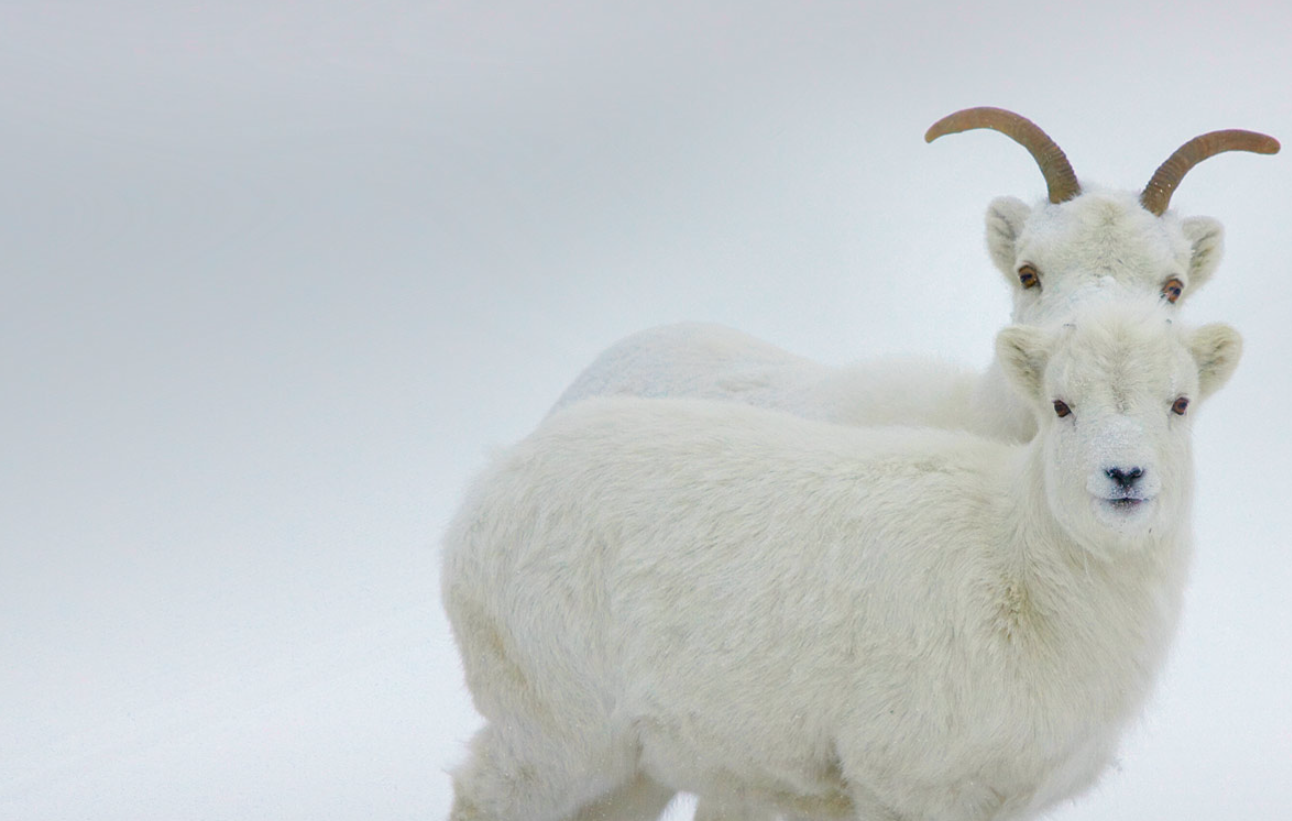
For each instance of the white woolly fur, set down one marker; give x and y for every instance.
(825, 621)
(1101, 243)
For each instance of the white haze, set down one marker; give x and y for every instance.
(278, 275)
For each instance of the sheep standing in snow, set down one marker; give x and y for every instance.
(1056, 254)
(661, 595)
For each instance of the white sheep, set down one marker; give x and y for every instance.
(1054, 255)
(661, 595)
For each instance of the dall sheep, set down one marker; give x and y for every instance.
(1055, 254)
(661, 595)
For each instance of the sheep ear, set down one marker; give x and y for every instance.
(1005, 218)
(1023, 351)
(1207, 237)
(1216, 348)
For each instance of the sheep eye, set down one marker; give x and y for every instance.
(1061, 408)
(1179, 406)
(1029, 278)
(1172, 289)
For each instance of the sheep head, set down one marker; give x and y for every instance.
(1082, 241)
(1114, 392)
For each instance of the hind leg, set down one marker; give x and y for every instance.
(707, 809)
(519, 772)
(641, 799)
(715, 809)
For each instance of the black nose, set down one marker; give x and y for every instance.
(1124, 478)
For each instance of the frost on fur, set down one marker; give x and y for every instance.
(827, 621)
(1078, 244)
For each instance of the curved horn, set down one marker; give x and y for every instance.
(1060, 179)
(1157, 194)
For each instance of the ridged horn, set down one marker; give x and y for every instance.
(1060, 179)
(1157, 194)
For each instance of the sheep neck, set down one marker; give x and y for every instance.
(1101, 625)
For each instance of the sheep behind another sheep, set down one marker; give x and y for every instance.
(1079, 243)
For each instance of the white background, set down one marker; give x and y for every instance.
(277, 275)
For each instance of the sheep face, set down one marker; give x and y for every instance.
(1100, 242)
(1114, 393)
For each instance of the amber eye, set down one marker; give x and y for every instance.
(1172, 289)
(1179, 406)
(1028, 276)
(1061, 408)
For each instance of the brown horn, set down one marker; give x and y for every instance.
(1060, 179)
(1157, 194)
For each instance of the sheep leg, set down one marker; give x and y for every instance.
(711, 809)
(642, 799)
(519, 771)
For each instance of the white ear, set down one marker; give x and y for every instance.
(1023, 351)
(1005, 218)
(1216, 348)
(1207, 237)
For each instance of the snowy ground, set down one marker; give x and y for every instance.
(278, 275)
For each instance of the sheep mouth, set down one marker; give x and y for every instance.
(1123, 513)
(1125, 504)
